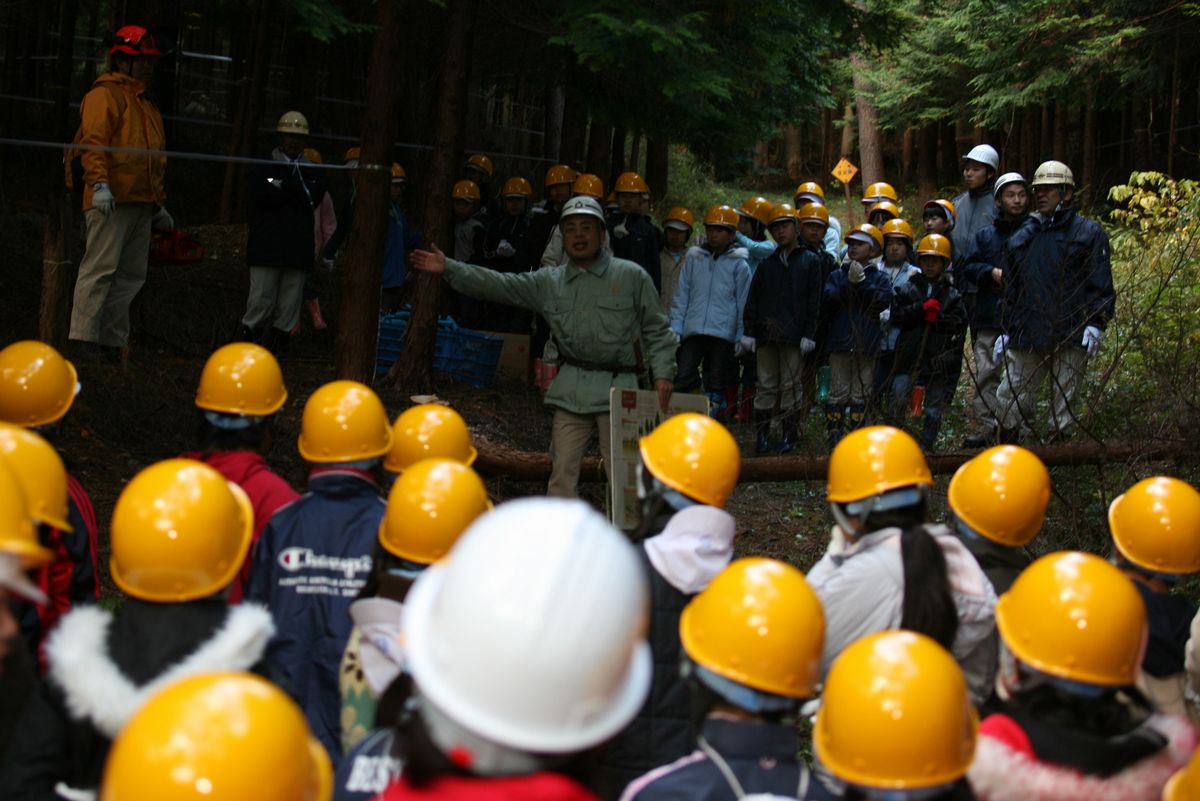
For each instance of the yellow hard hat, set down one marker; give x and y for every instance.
(631, 182)
(180, 531)
(293, 122)
(758, 623)
(880, 190)
(865, 232)
(695, 455)
(466, 190)
(1002, 494)
(427, 431)
(784, 211)
(313, 155)
(945, 207)
(18, 534)
(885, 206)
(351, 154)
(811, 189)
(559, 174)
(681, 216)
(725, 216)
(37, 385)
(934, 245)
(224, 736)
(874, 460)
(482, 163)
(1075, 616)
(344, 421)
(757, 207)
(518, 187)
(1185, 784)
(1156, 525)
(241, 378)
(588, 184)
(40, 472)
(895, 714)
(398, 174)
(813, 212)
(898, 227)
(429, 506)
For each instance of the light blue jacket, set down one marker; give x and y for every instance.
(759, 251)
(711, 295)
(833, 239)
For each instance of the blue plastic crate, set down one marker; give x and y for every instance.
(467, 356)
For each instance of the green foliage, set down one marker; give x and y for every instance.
(325, 20)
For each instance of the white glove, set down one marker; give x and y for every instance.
(744, 346)
(807, 346)
(857, 272)
(619, 231)
(1000, 346)
(162, 220)
(505, 249)
(102, 199)
(885, 316)
(276, 182)
(1091, 339)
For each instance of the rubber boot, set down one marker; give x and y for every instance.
(762, 422)
(314, 311)
(835, 424)
(790, 437)
(716, 404)
(746, 407)
(248, 334)
(856, 416)
(296, 330)
(731, 402)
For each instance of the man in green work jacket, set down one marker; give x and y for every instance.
(599, 309)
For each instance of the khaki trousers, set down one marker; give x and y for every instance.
(984, 378)
(851, 377)
(569, 439)
(111, 273)
(276, 294)
(780, 369)
(1024, 372)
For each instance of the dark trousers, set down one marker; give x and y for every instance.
(712, 355)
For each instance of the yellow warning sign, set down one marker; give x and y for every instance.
(844, 171)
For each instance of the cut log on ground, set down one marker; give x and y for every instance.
(497, 460)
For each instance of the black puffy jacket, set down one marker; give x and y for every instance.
(640, 243)
(929, 351)
(984, 295)
(282, 198)
(784, 304)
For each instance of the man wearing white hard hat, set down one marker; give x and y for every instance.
(974, 207)
(601, 310)
(1058, 298)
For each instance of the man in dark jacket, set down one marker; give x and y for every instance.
(633, 236)
(781, 325)
(932, 320)
(179, 534)
(1058, 298)
(983, 283)
(280, 248)
(506, 249)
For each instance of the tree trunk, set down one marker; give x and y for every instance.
(552, 125)
(927, 161)
(657, 166)
(58, 269)
(1089, 149)
(948, 169)
(870, 142)
(574, 132)
(413, 372)
(245, 125)
(907, 145)
(1060, 131)
(618, 153)
(1029, 139)
(827, 144)
(635, 153)
(1141, 134)
(1173, 119)
(793, 157)
(1046, 139)
(358, 310)
(847, 149)
(599, 150)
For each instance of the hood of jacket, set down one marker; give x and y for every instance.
(695, 546)
(236, 466)
(534, 787)
(97, 690)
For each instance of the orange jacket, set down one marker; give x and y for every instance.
(117, 113)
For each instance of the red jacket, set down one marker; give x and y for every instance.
(268, 492)
(535, 787)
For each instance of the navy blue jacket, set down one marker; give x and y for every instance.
(853, 310)
(283, 195)
(1057, 281)
(368, 768)
(983, 295)
(761, 755)
(640, 244)
(784, 303)
(313, 558)
(929, 351)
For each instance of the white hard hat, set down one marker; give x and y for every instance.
(293, 122)
(530, 634)
(984, 154)
(582, 205)
(1009, 178)
(1053, 173)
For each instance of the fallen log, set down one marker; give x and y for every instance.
(501, 461)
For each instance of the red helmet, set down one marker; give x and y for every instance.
(134, 40)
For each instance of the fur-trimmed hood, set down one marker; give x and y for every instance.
(1001, 773)
(93, 686)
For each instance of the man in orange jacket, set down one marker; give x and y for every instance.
(122, 190)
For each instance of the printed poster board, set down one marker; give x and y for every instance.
(634, 413)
